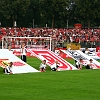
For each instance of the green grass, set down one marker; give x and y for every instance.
(64, 85)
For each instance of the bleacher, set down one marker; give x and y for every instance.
(86, 37)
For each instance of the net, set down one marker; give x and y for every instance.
(31, 42)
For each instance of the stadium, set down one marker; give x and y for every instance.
(49, 56)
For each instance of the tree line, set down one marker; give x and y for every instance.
(49, 13)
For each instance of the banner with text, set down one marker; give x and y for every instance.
(51, 57)
(18, 65)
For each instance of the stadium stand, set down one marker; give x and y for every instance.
(86, 37)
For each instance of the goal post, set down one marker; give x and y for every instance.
(31, 42)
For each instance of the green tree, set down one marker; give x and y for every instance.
(35, 8)
(14, 9)
(53, 10)
(88, 11)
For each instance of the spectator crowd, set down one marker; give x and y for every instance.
(86, 37)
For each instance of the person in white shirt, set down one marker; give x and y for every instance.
(43, 66)
(89, 64)
(79, 64)
(9, 48)
(55, 66)
(87, 51)
(23, 52)
(8, 69)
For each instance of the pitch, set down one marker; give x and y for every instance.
(63, 85)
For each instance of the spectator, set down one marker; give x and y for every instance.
(79, 64)
(9, 48)
(23, 52)
(43, 66)
(87, 51)
(55, 66)
(89, 64)
(8, 69)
